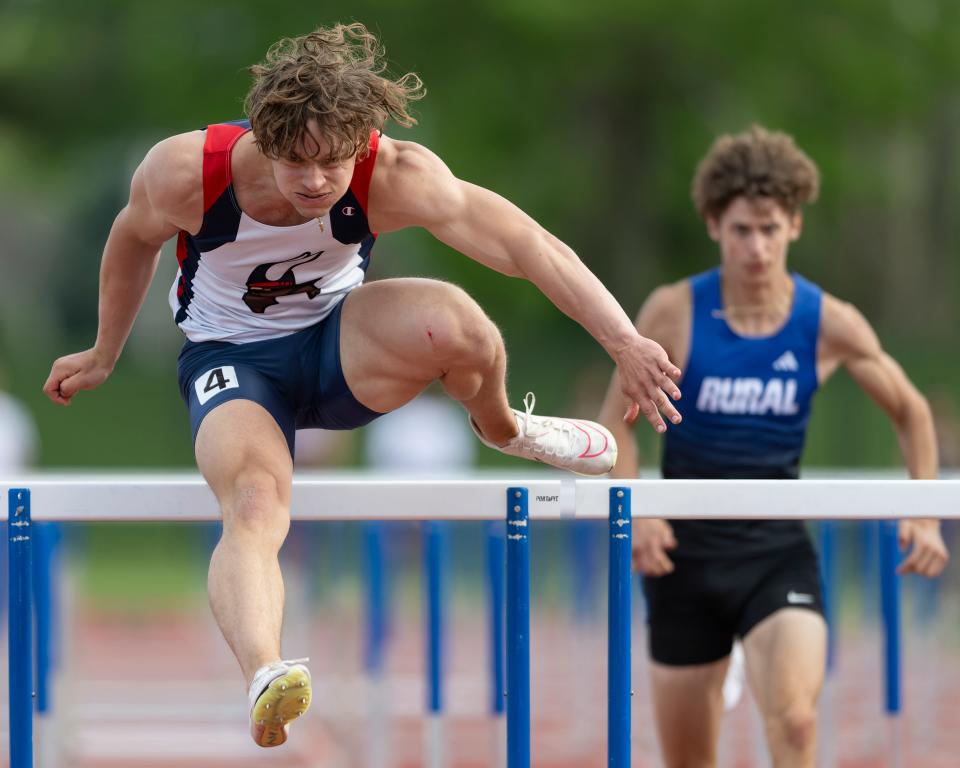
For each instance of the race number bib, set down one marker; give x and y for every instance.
(215, 381)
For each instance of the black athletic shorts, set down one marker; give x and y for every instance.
(297, 378)
(695, 612)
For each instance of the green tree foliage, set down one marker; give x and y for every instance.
(589, 116)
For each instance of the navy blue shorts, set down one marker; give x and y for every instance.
(297, 378)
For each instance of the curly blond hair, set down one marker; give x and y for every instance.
(335, 76)
(754, 164)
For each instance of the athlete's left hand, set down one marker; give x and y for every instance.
(647, 377)
(928, 556)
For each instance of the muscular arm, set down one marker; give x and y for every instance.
(666, 315)
(165, 196)
(412, 187)
(847, 339)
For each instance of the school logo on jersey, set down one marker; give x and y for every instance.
(263, 289)
(786, 362)
(748, 395)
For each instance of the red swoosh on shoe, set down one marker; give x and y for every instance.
(586, 455)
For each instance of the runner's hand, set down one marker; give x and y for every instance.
(647, 377)
(70, 374)
(651, 540)
(928, 556)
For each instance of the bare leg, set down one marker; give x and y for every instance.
(399, 335)
(786, 660)
(244, 457)
(688, 704)
(396, 337)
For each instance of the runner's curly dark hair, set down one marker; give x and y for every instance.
(335, 76)
(754, 164)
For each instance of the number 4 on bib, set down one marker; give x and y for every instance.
(215, 381)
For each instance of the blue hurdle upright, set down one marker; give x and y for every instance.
(619, 689)
(890, 611)
(827, 535)
(434, 567)
(518, 630)
(20, 627)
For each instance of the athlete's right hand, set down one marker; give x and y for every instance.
(70, 374)
(648, 381)
(651, 540)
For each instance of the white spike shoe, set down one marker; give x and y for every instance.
(584, 447)
(280, 692)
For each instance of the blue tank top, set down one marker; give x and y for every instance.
(746, 404)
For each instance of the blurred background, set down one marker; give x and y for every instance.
(589, 116)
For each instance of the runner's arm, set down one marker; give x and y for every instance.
(130, 258)
(850, 341)
(160, 195)
(665, 315)
(419, 190)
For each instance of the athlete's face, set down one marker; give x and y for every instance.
(754, 237)
(310, 182)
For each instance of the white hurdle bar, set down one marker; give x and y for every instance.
(186, 497)
(127, 498)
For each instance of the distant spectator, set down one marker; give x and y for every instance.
(427, 435)
(328, 448)
(18, 434)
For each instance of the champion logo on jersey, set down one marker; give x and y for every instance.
(348, 210)
(786, 362)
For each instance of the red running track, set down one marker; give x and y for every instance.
(164, 692)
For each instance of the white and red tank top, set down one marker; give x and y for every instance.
(241, 280)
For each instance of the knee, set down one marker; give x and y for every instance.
(797, 727)
(257, 507)
(457, 329)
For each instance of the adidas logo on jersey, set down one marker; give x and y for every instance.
(748, 396)
(786, 362)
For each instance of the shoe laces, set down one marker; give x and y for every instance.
(563, 429)
(276, 666)
(287, 662)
